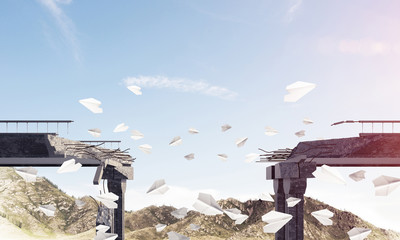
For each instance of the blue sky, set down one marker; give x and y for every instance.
(56, 52)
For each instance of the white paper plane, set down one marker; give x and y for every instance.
(307, 121)
(358, 233)
(69, 166)
(223, 157)
(92, 104)
(190, 156)
(176, 141)
(323, 216)
(121, 128)
(266, 197)
(160, 227)
(95, 132)
(158, 187)
(146, 148)
(180, 213)
(207, 205)
(194, 227)
(102, 228)
(297, 90)
(385, 185)
(251, 157)
(329, 174)
(269, 131)
(105, 236)
(300, 133)
(236, 215)
(136, 135)
(225, 127)
(176, 236)
(358, 176)
(28, 174)
(108, 199)
(241, 141)
(193, 131)
(79, 203)
(292, 201)
(48, 210)
(135, 89)
(276, 220)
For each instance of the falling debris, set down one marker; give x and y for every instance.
(48, 210)
(92, 104)
(193, 131)
(301, 133)
(69, 166)
(180, 213)
(358, 176)
(223, 157)
(108, 199)
(358, 233)
(176, 236)
(241, 141)
(105, 236)
(329, 174)
(158, 187)
(207, 205)
(79, 203)
(269, 131)
(120, 128)
(28, 174)
(95, 132)
(385, 185)
(323, 216)
(225, 127)
(251, 157)
(160, 227)
(307, 121)
(176, 141)
(102, 228)
(297, 90)
(136, 135)
(135, 89)
(194, 227)
(292, 201)
(276, 220)
(236, 215)
(190, 156)
(146, 148)
(266, 197)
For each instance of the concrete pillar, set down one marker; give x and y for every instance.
(118, 187)
(279, 205)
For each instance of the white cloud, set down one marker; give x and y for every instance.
(182, 85)
(65, 24)
(293, 9)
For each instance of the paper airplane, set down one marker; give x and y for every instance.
(236, 214)
(358, 176)
(275, 220)
(358, 233)
(95, 132)
(207, 205)
(297, 90)
(136, 135)
(190, 156)
(193, 131)
(292, 201)
(105, 236)
(158, 187)
(135, 89)
(160, 227)
(108, 199)
(241, 141)
(194, 227)
(120, 128)
(225, 127)
(323, 216)
(102, 228)
(301, 133)
(307, 121)
(176, 236)
(176, 141)
(266, 197)
(385, 185)
(69, 166)
(48, 210)
(92, 104)
(28, 174)
(269, 131)
(223, 157)
(329, 174)
(180, 213)
(146, 148)
(251, 157)
(79, 203)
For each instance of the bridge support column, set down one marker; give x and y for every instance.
(118, 187)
